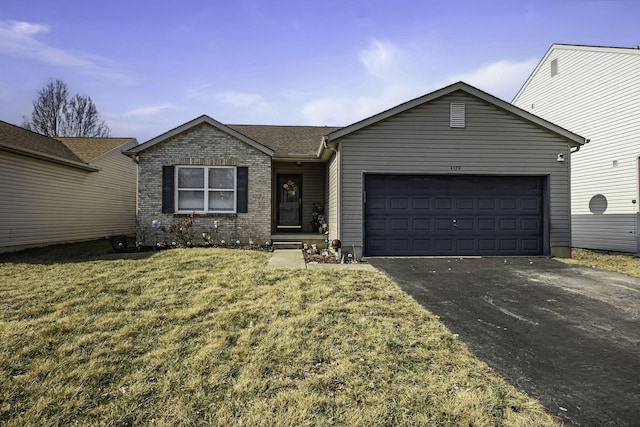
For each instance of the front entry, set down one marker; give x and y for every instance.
(289, 200)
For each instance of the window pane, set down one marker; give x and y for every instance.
(191, 178)
(221, 178)
(221, 201)
(191, 200)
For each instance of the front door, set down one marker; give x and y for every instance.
(289, 200)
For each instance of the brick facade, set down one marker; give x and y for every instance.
(207, 146)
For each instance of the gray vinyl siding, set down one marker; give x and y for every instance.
(596, 94)
(420, 141)
(333, 195)
(43, 203)
(313, 188)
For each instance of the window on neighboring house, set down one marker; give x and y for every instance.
(205, 189)
(554, 67)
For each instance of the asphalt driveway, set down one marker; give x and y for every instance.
(569, 336)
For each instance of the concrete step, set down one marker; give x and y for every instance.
(287, 245)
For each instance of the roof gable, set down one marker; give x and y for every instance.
(558, 46)
(464, 87)
(193, 123)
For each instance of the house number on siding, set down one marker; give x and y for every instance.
(456, 168)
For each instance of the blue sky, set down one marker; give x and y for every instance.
(152, 65)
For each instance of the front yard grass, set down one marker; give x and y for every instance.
(613, 261)
(211, 337)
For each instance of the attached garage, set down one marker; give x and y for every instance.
(454, 172)
(411, 215)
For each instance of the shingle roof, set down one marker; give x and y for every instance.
(287, 141)
(23, 139)
(88, 149)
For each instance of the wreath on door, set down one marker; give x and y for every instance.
(291, 187)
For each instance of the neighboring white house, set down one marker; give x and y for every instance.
(63, 190)
(595, 92)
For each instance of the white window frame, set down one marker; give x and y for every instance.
(206, 190)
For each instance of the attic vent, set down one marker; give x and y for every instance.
(554, 67)
(457, 115)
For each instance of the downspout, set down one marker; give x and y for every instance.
(325, 140)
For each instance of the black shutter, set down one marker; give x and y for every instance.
(167, 189)
(242, 189)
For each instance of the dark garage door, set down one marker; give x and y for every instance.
(453, 215)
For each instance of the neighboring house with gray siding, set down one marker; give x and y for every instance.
(455, 172)
(595, 91)
(63, 190)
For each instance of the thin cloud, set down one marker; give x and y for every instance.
(380, 57)
(386, 81)
(502, 79)
(344, 110)
(242, 99)
(148, 110)
(18, 38)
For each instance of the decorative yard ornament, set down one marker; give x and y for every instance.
(156, 224)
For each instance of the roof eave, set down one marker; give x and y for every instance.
(302, 159)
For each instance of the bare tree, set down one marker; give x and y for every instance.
(55, 113)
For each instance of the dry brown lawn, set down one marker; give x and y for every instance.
(191, 337)
(613, 261)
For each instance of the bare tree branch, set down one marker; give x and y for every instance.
(56, 114)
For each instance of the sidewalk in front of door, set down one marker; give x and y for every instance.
(293, 258)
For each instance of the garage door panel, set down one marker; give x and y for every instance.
(421, 245)
(508, 245)
(533, 225)
(532, 205)
(465, 245)
(448, 215)
(487, 224)
(399, 245)
(399, 224)
(421, 203)
(443, 224)
(443, 204)
(376, 204)
(531, 245)
(377, 224)
(421, 224)
(507, 204)
(465, 204)
(466, 224)
(399, 203)
(508, 224)
(443, 245)
(487, 245)
(486, 204)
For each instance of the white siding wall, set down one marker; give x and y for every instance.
(420, 141)
(595, 94)
(44, 203)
